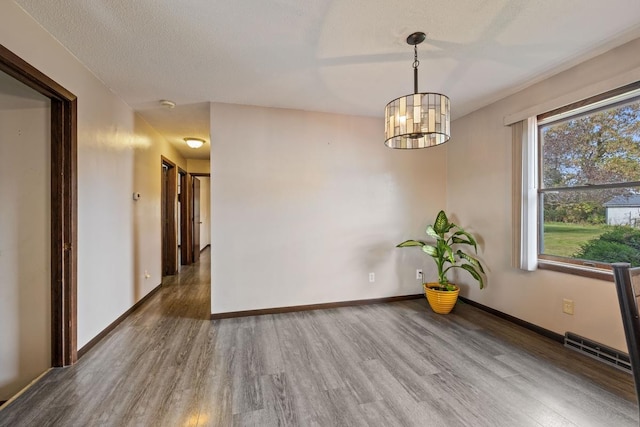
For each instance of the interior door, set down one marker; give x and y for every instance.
(185, 219)
(164, 215)
(196, 219)
(168, 219)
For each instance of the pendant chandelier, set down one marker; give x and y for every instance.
(419, 120)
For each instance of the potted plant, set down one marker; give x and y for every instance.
(443, 295)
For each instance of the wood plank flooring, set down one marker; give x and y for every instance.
(395, 364)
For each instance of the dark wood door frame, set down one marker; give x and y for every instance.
(195, 257)
(169, 232)
(185, 214)
(195, 218)
(187, 251)
(64, 204)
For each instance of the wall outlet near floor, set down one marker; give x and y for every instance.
(567, 306)
(372, 277)
(419, 274)
(146, 274)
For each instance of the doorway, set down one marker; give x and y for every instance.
(25, 217)
(196, 219)
(168, 217)
(193, 200)
(200, 228)
(185, 217)
(63, 203)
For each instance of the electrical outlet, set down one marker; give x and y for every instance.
(567, 306)
(146, 274)
(419, 274)
(372, 277)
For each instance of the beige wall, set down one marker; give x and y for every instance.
(147, 180)
(198, 166)
(117, 237)
(479, 195)
(25, 230)
(309, 204)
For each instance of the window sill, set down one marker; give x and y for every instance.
(577, 269)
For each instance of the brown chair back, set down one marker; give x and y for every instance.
(627, 282)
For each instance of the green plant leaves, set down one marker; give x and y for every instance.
(471, 260)
(468, 241)
(474, 274)
(443, 252)
(441, 225)
(448, 252)
(430, 250)
(409, 243)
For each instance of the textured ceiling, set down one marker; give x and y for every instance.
(342, 56)
(186, 120)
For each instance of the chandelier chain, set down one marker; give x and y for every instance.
(416, 63)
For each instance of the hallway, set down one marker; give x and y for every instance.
(151, 368)
(395, 364)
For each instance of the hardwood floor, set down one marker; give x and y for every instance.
(394, 364)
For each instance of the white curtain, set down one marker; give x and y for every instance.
(525, 194)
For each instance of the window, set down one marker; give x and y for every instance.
(588, 181)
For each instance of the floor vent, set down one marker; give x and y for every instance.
(598, 351)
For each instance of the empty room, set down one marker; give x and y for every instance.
(319, 213)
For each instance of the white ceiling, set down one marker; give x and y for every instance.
(341, 56)
(186, 120)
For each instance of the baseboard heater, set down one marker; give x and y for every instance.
(597, 351)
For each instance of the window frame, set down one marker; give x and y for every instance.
(606, 100)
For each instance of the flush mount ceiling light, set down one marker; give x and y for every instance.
(194, 142)
(168, 104)
(419, 120)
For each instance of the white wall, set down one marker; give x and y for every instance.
(117, 237)
(479, 195)
(205, 209)
(25, 255)
(310, 203)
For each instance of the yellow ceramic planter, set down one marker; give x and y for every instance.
(441, 302)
